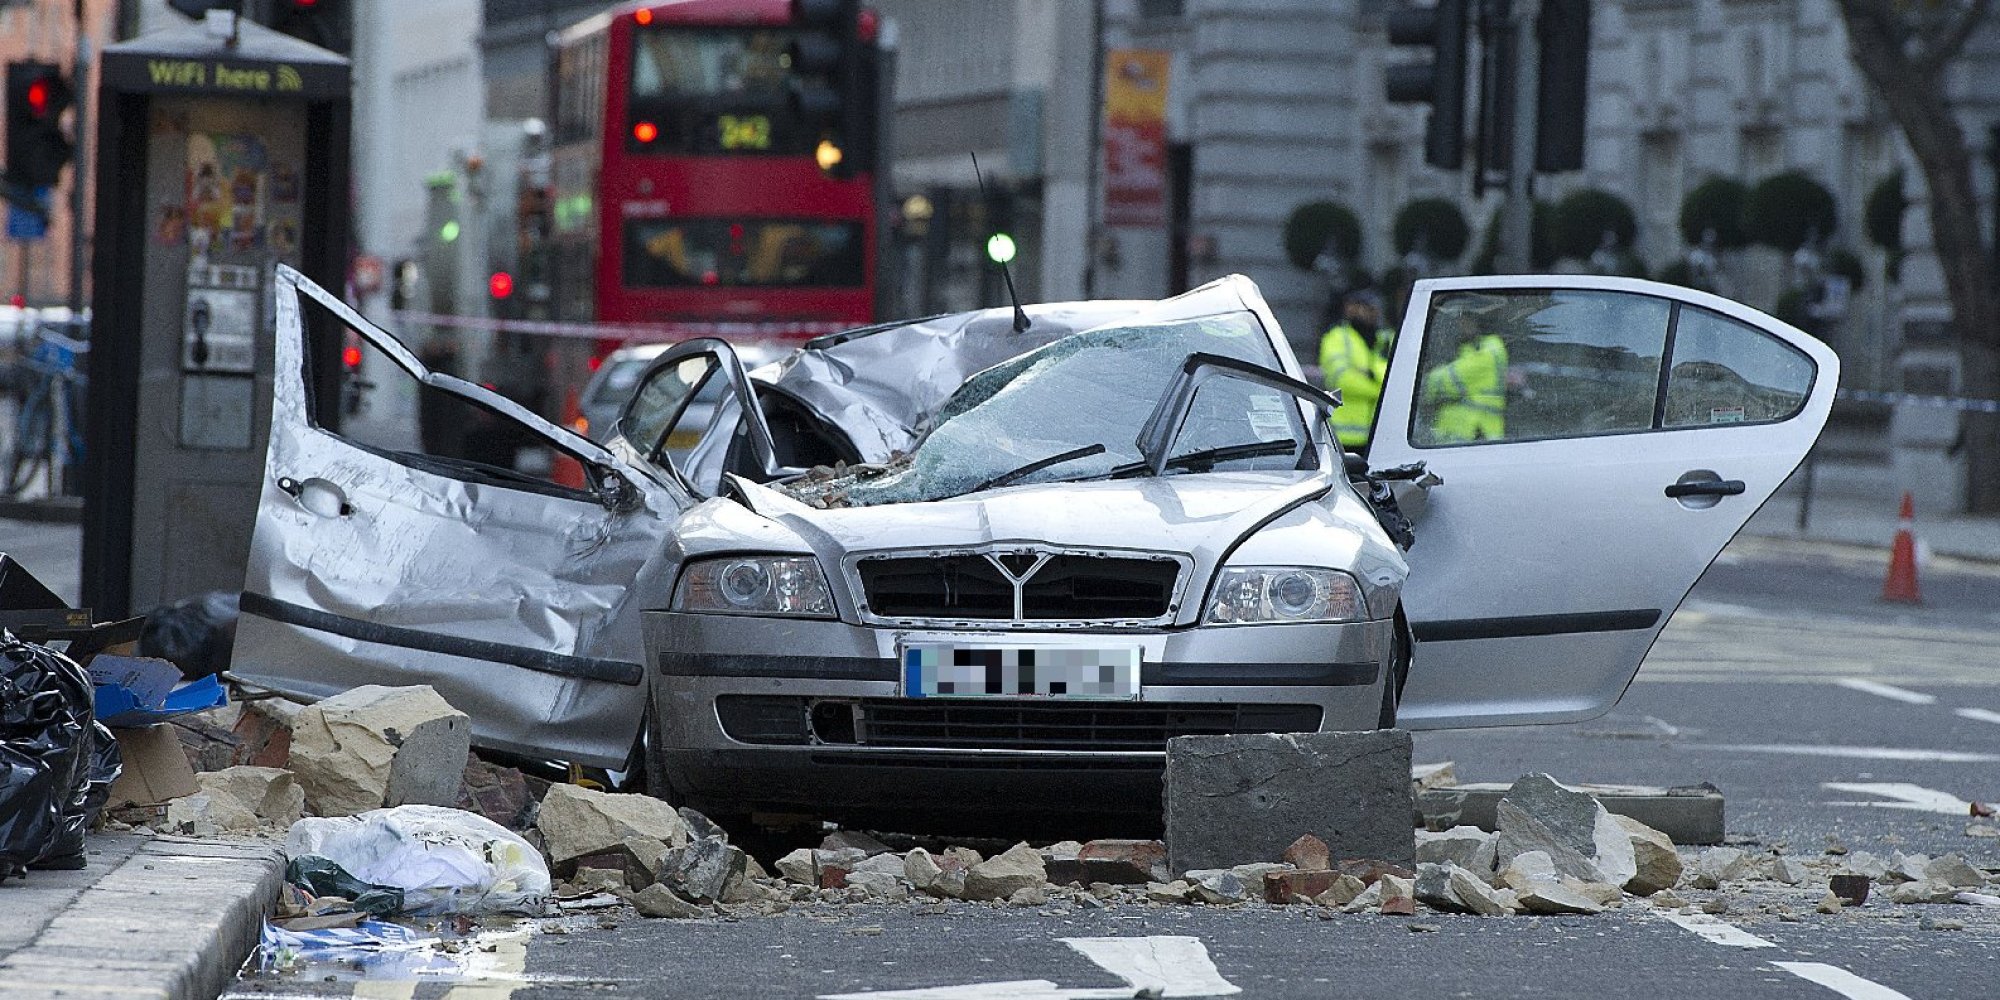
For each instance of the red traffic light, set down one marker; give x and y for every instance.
(38, 98)
(351, 357)
(501, 284)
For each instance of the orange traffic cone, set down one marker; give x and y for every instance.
(1901, 584)
(568, 471)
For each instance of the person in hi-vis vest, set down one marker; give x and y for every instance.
(1353, 356)
(1467, 396)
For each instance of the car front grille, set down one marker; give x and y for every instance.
(942, 724)
(1068, 587)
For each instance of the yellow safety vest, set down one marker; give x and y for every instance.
(1467, 396)
(1349, 363)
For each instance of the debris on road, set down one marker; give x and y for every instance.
(1690, 814)
(1851, 889)
(237, 799)
(373, 746)
(444, 860)
(575, 821)
(1003, 875)
(1236, 799)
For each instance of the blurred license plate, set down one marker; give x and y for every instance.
(944, 670)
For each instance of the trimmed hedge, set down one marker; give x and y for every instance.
(1716, 203)
(1438, 222)
(1313, 224)
(1783, 210)
(1581, 219)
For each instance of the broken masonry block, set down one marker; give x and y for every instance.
(1236, 799)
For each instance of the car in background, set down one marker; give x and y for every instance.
(992, 561)
(608, 389)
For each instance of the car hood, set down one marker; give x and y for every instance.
(1200, 516)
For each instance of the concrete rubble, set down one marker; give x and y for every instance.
(1249, 821)
(374, 746)
(237, 799)
(575, 821)
(1235, 799)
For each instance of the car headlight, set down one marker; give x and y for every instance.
(755, 585)
(1285, 594)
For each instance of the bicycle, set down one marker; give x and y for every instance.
(50, 410)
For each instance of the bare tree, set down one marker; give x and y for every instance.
(1904, 47)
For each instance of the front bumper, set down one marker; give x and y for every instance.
(812, 718)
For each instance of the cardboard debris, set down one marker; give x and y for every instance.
(156, 769)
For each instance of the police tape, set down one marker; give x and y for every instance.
(631, 332)
(1959, 403)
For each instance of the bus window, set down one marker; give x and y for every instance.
(713, 91)
(665, 253)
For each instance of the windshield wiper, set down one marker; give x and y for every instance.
(1205, 459)
(1008, 478)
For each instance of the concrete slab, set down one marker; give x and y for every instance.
(1689, 815)
(1237, 799)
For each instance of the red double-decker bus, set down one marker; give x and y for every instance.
(686, 189)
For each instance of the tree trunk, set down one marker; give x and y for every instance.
(1913, 89)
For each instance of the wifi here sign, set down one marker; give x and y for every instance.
(238, 74)
(203, 74)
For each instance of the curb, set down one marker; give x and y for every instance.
(173, 922)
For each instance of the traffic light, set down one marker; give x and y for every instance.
(1438, 81)
(1564, 32)
(325, 23)
(37, 149)
(834, 66)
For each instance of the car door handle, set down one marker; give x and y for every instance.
(317, 496)
(1706, 488)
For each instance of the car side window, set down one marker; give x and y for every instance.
(666, 395)
(1727, 372)
(1534, 364)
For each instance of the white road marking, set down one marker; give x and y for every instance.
(385, 989)
(495, 974)
(1977, 714)
(1906, 796)
(1020, 989)
(1174, 966)
(1840, 981)
(1717, 932)
(1865, 753)
(1888, 691)
(1170, 966)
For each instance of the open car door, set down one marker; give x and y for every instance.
(514, 595)
(1599, 440)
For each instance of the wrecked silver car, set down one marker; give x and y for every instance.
(973, 563)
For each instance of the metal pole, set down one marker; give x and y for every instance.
(1517, 249)
(80, 168)
(1095, 210)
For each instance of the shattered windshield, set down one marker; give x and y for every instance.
(1072, 409)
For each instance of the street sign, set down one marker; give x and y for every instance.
(23, 224)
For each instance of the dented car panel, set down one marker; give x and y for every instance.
(518, 604)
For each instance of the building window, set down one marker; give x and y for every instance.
(1162, 8)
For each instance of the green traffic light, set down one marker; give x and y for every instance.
(1000, 248)
(449, 231)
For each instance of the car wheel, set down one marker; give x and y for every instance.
(652, 759)
(1399, 673)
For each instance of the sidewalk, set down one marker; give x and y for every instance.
(1847, 520)
(152, 919)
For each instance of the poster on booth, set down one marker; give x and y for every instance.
(1135, 137)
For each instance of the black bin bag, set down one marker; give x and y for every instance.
(56, 762)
